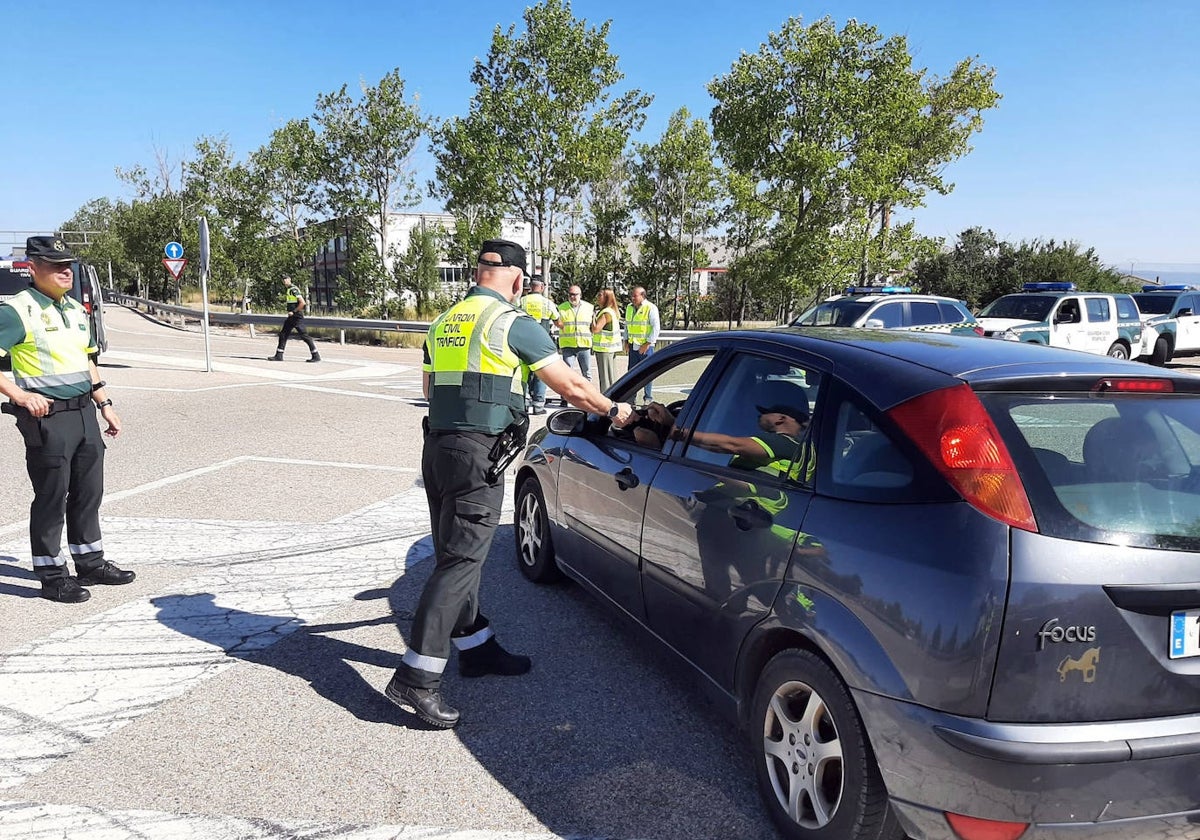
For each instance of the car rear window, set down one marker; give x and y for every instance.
(952, 313)
(1021, 307)
(1121, 469)
(1155, 304)
(1126, 309)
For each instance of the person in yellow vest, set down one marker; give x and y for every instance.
(606, 337)
(575, 332)
(296, 304)
(53, 394)
(477, 354)
(641, 333)
(540, 308)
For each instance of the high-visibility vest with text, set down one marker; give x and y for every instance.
(52, 360)
(576, 330)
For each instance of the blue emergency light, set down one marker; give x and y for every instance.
(877, 290)
(1173, 287)
(1049, 287)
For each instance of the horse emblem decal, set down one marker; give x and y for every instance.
(1085, 665)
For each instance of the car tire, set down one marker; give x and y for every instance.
(535, 548)
(1162, 352)
(1118, 351)
(802, 710)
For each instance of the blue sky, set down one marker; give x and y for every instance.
(1097, 138)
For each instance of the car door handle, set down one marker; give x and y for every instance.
(626, 479)
(750, 514)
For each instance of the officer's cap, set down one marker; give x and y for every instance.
(797, 412)
(47, 249)
(510, 253)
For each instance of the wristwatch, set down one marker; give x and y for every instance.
(614, 409)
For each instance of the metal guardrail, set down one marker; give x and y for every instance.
(342, 324)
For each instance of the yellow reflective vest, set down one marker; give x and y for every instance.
(576, 329)
(539, 307)
(477, 382)
(53, 359)
(637, 322)
(608, 340)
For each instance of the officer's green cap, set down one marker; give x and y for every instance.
(510, 253)
(47, 249)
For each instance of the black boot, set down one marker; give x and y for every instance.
(64, 589)
(490, 658)
(316, 357)
(278, 357)
(426, 702)
(106, 574)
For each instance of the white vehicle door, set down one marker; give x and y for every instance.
(1187, 327)
(1100, 324)
(1067, 327)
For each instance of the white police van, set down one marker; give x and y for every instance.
(1057, 315)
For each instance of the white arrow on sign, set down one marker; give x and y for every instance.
(175, 267)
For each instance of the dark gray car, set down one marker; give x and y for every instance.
(949, 587)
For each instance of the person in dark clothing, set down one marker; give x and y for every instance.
(296, 304)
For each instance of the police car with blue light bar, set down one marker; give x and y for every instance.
(891, 308)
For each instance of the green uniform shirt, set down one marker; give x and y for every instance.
(12, 333)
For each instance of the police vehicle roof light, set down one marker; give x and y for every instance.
(1049, 287)
(1173, 287)
(877, 290)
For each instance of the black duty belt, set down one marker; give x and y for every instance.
(69, 404)
(483, 437)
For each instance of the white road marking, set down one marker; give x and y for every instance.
(220, 465)
(33, 820)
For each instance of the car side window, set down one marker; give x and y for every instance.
(951, 314)
(1098, 310)
(1187, 302)
(758, 420)
(1068, 311)
(669, 387)
(922, 312)
(866, 462)
(891, 314)
(1126, 309)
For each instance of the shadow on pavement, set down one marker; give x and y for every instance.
(10, 567)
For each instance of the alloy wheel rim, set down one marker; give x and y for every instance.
(531, 530)
(803, 751)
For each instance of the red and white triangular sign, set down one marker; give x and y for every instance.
(174, 266)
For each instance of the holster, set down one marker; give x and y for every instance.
(508, 445)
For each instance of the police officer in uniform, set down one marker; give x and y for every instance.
(477, 355)
(54, 398)
(541, 309)
(296, 304)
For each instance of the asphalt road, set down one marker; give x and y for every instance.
(274, 516)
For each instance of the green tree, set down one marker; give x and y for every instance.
(837, 125)
(676, 187)
(365, 162)
(416, 270)
(543, 121)
(288, 169)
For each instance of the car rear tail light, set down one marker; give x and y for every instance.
(973, 828)
(1136, 386)
(979, 331)
(955, 432)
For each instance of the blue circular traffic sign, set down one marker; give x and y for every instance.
(173, 250)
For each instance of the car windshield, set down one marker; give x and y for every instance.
(1154, 304)
(1020, 307)
(833, 313)
(1122, 470)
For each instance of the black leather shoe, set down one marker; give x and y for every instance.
(108, 575)
(278, 357)
(426, 702)
(490, 658)
(65, 590)
(316, 357)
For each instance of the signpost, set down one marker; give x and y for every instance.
(204, 265)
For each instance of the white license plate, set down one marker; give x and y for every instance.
(1185, 633)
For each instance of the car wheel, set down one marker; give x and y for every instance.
(815, 769)
(1162, 352)
(535, 550)
(1118, 351)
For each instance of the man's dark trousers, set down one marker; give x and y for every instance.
(64, 456)
(464, 511)
(293, 322)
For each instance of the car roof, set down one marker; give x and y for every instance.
(893, 296)
(935, 360)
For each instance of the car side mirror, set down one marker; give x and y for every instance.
(1067, 318)
(567, 421)
(874, 324)
(1183, 312)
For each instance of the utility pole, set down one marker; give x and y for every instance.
(679, 276)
